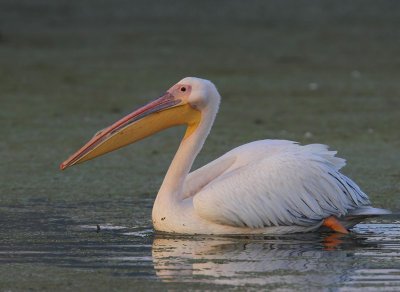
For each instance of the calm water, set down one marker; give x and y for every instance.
(60, 239)
(322, 73)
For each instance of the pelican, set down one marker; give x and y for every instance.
(263, 187)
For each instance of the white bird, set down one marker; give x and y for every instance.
(264, 187)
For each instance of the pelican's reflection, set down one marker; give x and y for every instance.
(310, 259)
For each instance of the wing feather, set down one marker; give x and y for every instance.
(299, 185)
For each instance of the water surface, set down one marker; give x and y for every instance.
(41, 238)
(321, 73)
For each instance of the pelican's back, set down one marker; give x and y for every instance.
(279, 183)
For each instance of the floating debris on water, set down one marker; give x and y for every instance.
(99, 227)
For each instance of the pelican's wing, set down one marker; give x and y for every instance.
(199, 178)
(298, 185)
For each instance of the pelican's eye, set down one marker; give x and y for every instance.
(183, 88)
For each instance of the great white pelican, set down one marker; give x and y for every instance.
(263, 187)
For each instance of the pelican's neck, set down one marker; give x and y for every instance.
(172, 186)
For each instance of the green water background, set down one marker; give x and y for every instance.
(310, 71)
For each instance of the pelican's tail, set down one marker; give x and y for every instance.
(357, 215)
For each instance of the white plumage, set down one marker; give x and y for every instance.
(294, 185)
(264, 187)
(268, 186)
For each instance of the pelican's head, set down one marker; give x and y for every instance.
(203, 93)
(182, 104)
